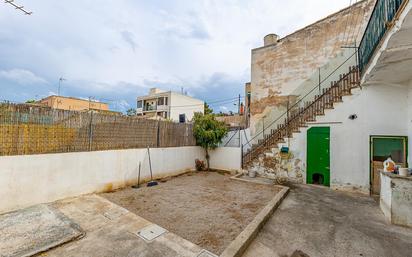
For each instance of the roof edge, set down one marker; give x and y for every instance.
(312, 24)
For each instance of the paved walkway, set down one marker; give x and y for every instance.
(321, 222)
(110, 231)
(35, 229)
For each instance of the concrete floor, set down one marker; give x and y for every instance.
(35, 229)
(205, 208)
(321, 222)
(110, 231)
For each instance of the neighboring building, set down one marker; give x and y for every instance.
(168, 105)
(233, 121)
(73, 104)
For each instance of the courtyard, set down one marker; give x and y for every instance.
(201, 214)
(321, 222)
(207, 208)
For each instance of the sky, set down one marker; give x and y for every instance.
(114, 51)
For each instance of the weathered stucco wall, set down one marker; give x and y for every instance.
(385, 201)
(279, 69)
(396, 199)
(381, 110)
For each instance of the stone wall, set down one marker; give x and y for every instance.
(281, 167)
(279, 68)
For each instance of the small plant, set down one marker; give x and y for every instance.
(208, 133)
(200, 165)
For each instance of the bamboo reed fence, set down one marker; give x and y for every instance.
(30, 129)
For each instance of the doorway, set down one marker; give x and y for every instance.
(318, 156)
(382, 147)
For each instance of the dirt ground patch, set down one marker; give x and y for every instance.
(208, 209)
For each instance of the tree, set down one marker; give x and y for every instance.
(208, 110)
(131, 112)
(208, 133)
(31, 101)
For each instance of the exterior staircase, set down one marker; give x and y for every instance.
(299, 117)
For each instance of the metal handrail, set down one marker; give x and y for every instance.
(382, 16)
(301, 99)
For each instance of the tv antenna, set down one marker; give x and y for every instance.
(21, 8)
(61, 79)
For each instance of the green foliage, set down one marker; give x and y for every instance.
(30, 101)
(208, 132)
(131, 112)
(208, 110)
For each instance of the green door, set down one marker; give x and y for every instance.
(318, 157)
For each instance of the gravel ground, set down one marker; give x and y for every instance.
(206, 208)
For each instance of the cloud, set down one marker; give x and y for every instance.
(188, 26)
(224, 109)
(129, 38)
(203, 46)
(21, 76)
(123, 105)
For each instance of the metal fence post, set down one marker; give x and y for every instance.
(239, 135)
(91, 131)
(158, 134)
(241, 156)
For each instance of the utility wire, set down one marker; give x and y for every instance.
(301, 99)
(210, 103)
(351, 37)
(347, 21)
(360, 25)
(350, 24)
(21, 8)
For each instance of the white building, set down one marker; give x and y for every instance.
(168, 105)
(316, 133)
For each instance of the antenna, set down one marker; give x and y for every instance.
(21, 8)
(61, 79)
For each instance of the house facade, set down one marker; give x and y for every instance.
(73, 104)
(332, 113)
(168, 105)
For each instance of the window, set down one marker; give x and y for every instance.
(139, 104)
(182, 118)
(162, 101)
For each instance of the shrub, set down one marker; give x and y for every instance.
(208, 132)
(200, 165)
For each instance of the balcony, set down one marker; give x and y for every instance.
(381, 21)
(149, 108)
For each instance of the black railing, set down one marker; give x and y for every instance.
(382, 16)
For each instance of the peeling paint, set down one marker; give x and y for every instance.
(274, 165)
(280, 69)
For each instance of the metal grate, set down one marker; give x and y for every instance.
(205, 253)
(151, 232)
